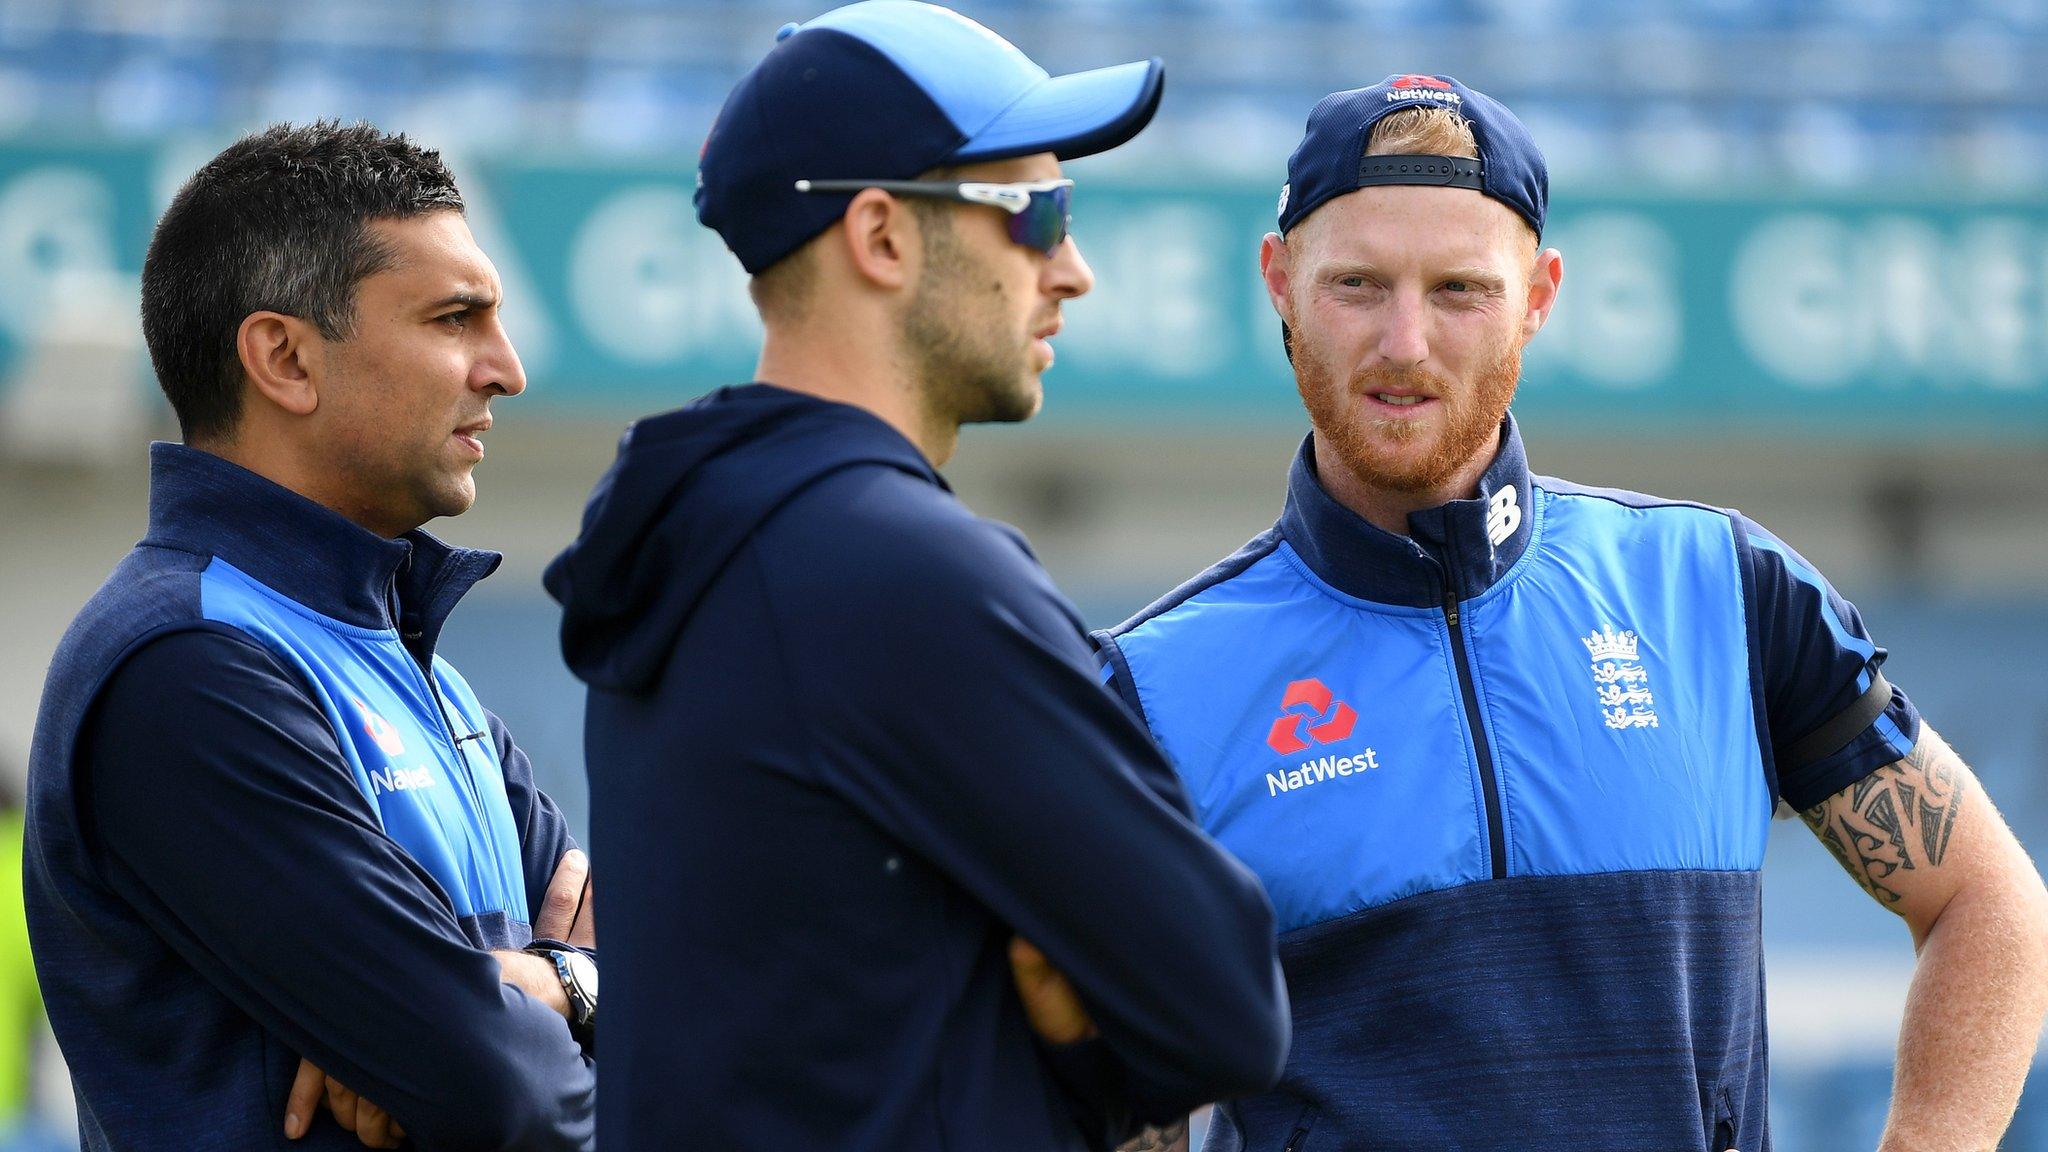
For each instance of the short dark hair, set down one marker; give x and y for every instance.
(279, 222)
(782, 290)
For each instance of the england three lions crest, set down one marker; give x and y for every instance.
(1619, 678)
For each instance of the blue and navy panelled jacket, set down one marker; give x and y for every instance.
(266, 822)
(1507, 780)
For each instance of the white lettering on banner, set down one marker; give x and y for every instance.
(1159, 292)
(1791, 305)
(1620, 321)
(56, 223)
(524, 312)
(1824, 302)
(652, 286)
(2003, 321)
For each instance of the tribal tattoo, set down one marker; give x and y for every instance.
(1172, 1138)
(1897, 819)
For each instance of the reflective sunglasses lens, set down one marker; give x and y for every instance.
(1043, 225)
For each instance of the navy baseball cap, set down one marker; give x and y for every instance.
(885, 90)
(1331, 161)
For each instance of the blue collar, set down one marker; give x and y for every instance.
(201, 503)
(1449, 548)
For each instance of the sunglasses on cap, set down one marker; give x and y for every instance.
(1040, 210)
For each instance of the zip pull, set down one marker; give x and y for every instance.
(1448, 577)
(1294, 1142)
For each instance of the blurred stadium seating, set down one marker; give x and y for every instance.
(1711, 93)
(1807, 274)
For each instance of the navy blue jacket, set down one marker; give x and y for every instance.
(845, 739)
(1508, 781)
(265, 821)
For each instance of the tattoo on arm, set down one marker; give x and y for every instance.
(1896, 819)
(1172, 1138)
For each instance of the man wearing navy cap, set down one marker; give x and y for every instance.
(849, 748)
(1505, 749)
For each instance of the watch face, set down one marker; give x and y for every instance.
(584, 973)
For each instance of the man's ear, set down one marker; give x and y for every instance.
(1274, 271)
(283, 358)
(883, 243)
(1544, 281)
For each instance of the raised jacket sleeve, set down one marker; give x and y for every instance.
(219, 802)
(1832, 717)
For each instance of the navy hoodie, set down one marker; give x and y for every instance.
(845, 739)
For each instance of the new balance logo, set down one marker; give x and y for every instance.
(1312, 714)
(1503, 516)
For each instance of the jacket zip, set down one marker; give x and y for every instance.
(455, 739)
(1496, 836)
(476, 800)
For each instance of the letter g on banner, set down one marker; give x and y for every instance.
(650, 286)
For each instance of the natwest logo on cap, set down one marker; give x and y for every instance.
(1311, 713)
(1414, 81)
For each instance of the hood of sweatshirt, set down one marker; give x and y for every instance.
(687, 490)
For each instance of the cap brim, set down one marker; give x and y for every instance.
(1074, 115)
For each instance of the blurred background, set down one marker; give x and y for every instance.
(1806, 253)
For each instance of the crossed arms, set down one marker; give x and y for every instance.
(277, 886)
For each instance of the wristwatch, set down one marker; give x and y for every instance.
(578, 974)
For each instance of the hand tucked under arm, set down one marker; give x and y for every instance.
(1051, 1006)
(568, 910)
(311, 1087)
(1925, 842)
(1171, 1138)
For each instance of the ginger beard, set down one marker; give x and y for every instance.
(1468, 424)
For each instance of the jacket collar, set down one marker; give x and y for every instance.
(1462, 547)
(199, 502)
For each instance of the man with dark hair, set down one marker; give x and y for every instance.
(1505, 749)
(277, 851)
(847, 735)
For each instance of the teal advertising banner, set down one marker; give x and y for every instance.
(1799, 313)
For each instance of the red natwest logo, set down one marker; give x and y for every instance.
(1413, 81)
(1310, 710)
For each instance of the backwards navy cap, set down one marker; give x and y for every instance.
(885, 90)
(1331, 159)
